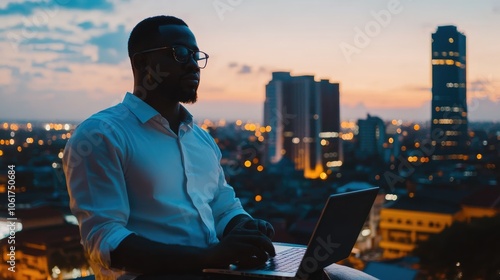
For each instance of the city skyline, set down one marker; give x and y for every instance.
(64, 60)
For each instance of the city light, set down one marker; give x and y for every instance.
(335, 163)
(258, 198)
(366, 232)
(14, 127)
(247, 163)
(347, 136)
(391, 197)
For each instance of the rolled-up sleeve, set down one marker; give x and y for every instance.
(93, 165)
(225, 204)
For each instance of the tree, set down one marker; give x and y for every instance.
(463, 250)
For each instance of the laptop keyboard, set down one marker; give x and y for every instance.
(286, 261)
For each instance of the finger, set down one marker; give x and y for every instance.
(251, 224)
(254, 238)
(270, 231)
(262, 226)
(249, 263)
(256, 257)
(245, 232)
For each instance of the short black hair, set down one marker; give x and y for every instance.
(145, 32)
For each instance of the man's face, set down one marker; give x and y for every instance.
(177, 81)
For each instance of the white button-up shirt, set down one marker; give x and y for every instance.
(128, 172)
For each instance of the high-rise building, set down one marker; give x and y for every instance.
(305, 122)
(449, 104)
(371, 137)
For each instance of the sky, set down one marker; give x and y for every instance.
(67, 59)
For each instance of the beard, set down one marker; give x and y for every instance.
(179, 93)
(187, 95)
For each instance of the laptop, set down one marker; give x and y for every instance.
(333, 238)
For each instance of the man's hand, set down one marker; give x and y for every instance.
(257, 224)
(242, 247)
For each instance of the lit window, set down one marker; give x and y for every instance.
(450, 40)
(444, 53)
(451, 53)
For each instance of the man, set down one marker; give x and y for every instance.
(145, 182)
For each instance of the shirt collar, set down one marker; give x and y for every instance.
(144, 112)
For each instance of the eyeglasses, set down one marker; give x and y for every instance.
(183, 54)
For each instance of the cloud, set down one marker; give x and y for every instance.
(484, 87)
(112, 46)
(87, 25)
(482, 109)
(496, 9)
(87, 5)
(29, 7)
(420, 88)
(263, 69)
(245, 69)
(62, 69)
(25, 8)
(38, 64)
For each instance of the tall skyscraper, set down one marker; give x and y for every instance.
(449, 94)
(304, 116)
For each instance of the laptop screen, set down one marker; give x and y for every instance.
(337, 230)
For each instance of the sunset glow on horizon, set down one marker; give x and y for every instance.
(67, 59)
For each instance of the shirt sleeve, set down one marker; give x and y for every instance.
(225, 204)
(95, 180)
